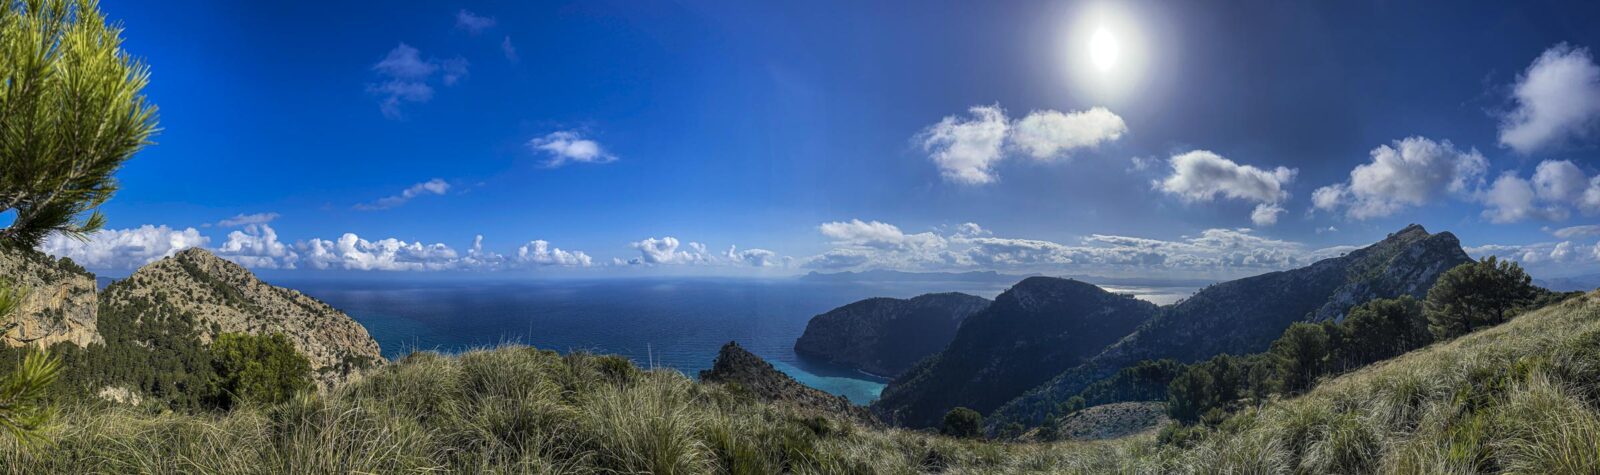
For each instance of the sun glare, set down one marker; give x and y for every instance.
(1103, 50)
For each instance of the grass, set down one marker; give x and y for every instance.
(1523, 397)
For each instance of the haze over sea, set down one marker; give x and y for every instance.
(677, 322)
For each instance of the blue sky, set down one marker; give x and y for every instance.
(1116, 138)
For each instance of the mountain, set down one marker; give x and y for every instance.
(881, 275)
(60, 304)
(217, 296)
(1244, 316)
(737, 366)
(1585, 283)
(1032, 331)
(885, 336)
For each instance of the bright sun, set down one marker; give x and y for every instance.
(1103, 49)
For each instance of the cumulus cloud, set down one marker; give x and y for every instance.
(351, 252)
(1200, 176)
(1407, 173)
(431, 187)
(1511, 199)
(257, 247)
(404, 76)
(879, 235)
(473, 23)
(247, 219)
(666, 251)
(1049, 134)
(966, 149)
(569, 146)
(1556, 188)
(540, 253)
(1557, 99)
(752, 257)
(122, 249)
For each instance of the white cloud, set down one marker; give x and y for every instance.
(1511, 199)
(753, 257)
(1556, 188)
(1048, 134)
(123, 248)
(569, 146)
(257, 247)
(1234, 252)
(971, 229)
(966, 149)
(431, 187)
(1201, 175)
(404, 76)
(666, 251)
(473, 23)
(1559, 181)
(510, 50)
(1412, 172)
(1583, 231)
(540, 253)
(248, 219)
(351, 252)
(1558, 99)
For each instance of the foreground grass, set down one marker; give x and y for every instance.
(1518, 398)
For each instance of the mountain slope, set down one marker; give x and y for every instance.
(886, 336)
(60, 304)
(1244, 316)
(219, 296)
(1031, 332)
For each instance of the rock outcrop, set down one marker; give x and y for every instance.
(1033, 331)
(885, 336)
(221, 296)
(735, 365)
(60, 302)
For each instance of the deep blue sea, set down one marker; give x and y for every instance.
(677, 323)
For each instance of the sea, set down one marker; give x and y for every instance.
(678, 323)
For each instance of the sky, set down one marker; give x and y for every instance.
(600, 138)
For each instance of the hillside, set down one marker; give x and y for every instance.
(216, 296)
(739, 367)
(1244, 316)
(1035, 330)
(885, 336)
(60, 305)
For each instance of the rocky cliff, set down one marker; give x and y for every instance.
(1244, 316)
(1033, 331)
(885, 336)
(735, 365)
(220, 296)
(60, 304)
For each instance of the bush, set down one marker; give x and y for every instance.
(962, 422)
(262, 369)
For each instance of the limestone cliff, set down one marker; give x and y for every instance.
(60, 303)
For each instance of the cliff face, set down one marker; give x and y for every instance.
(1244, 316)
(735, 365)
(222, 296)
(60, 304)
(1031, 332)
(885, 336)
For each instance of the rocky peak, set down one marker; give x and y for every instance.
(223, 296)
(885, 336)
(735, 365)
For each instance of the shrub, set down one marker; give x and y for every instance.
(962, 422)
(262, 369)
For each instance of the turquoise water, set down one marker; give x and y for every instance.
(677, 323)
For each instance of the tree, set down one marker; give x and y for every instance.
(1300, 355)
(71, 112)
(964, 423)
(1384, 328)
(1205, 386)
(1477, 295)
(24, 410)
(262, 369)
